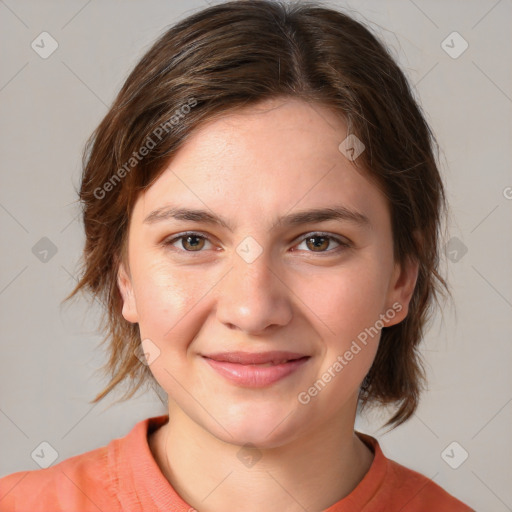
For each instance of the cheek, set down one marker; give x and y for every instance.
(351, 304)
(164, 297)
(351, 299)
(170, 315)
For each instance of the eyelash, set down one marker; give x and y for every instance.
(312, 234)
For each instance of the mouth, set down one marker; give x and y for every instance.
(256, 370)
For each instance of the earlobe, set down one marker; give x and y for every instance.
(402, 289)
(124, 284)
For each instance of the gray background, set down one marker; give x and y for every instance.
(48, 108)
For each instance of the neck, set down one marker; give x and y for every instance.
(310, 473)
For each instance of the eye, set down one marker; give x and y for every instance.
(315, 242)
(319, 242)
(190, 242)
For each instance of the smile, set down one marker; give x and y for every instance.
(256, 370)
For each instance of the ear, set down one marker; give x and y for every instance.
(401, 289)
(124, 284)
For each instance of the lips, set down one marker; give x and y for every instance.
(260, 358)
(256, 369)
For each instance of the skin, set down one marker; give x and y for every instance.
(252, 167)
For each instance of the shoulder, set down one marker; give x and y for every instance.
(83, 482)
(396, 487)
(416, 492)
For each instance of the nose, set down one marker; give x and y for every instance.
(253, 297)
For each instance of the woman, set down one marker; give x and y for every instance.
(261, 208)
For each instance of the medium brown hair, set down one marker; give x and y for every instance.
(234, 55)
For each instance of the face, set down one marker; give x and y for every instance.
(254, 313)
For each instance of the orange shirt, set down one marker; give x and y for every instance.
(124, 476)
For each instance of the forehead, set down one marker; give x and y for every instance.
(266, 159)
(269, 134)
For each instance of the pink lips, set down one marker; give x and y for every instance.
(255, 370)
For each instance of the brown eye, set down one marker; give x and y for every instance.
(188, 242)
(195, 242)
(317, 243)
(320, 242)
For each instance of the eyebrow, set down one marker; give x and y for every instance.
(293, 219)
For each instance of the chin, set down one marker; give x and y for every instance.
(262, 427)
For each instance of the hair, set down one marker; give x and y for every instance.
(238, 54)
